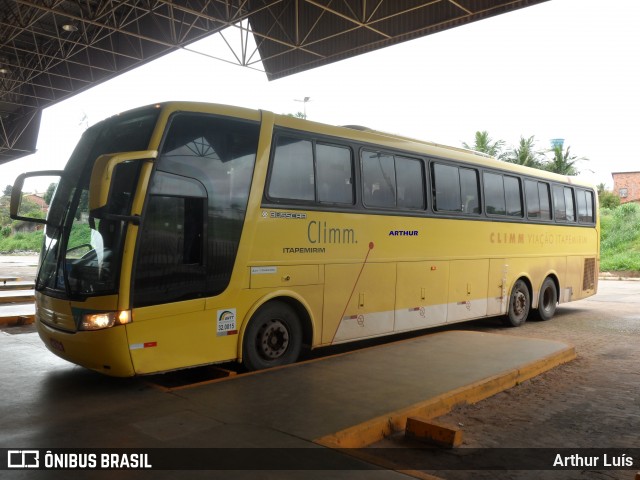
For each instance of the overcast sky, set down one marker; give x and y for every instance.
(563, 69)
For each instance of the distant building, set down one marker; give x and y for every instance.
(627, 186)
(38, 200)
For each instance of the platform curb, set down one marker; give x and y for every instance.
(376, 429)
(16, 320)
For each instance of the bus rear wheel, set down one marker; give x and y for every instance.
(548, 299)
(273, 337)
(519, 305)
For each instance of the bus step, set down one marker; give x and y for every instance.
(190, 377)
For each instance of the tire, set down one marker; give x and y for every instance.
(272, 338)
(548, 299)
(519, 305)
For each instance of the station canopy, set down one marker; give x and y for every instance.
(53, 49)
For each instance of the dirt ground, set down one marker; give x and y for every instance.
(591, 402)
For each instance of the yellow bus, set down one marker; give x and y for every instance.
(184, 234)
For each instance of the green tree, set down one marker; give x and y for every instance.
(606, 198)
(301, 115)
(48, 195)
(525, 153)
(5, 220)
(7, 190)
(485, 144)
(563, 162)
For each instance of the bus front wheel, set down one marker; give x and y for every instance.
(273, 337)
(548, 299)
(519, 304)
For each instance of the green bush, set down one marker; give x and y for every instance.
(22, 242)
(608, 200)
(620, 238)
(80, 235)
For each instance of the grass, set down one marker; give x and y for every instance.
(32, 241)
(21, 242)
(620, 238)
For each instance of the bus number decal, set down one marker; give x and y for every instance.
(226, 322)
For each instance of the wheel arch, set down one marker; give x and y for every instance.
(527, 281)
(293, 300)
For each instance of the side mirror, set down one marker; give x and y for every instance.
(31, 207)
(112, 177)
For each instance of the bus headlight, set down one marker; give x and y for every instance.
(98, 321)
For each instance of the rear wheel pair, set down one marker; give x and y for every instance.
(520, 302)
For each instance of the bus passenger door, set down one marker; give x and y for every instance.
(421, 295)
(359, 301)
(468, 290)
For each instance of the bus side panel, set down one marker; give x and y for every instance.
(572, 290)
(359, 301)
(161, 337)
(497, 289)
(420, 291)
(468, 286)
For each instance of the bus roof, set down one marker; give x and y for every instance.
(378, 138)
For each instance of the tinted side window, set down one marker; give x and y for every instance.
(494, 194)
(513, 196)
(446, 188)
(392, 181)
(569, 204)
(195, 210)
(379, 179)
(410, 187)
(292, 174)
(532, 198)
(469, 190)
(537, 199)
(455, 189)
(545, 201)
(585, 206)
(334, 166)
(559, 207)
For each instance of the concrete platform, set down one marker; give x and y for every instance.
(12, 296)
(17, 285)
(347, 400)
(17, 313)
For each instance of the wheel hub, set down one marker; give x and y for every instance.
(519, 304)
(273, 339)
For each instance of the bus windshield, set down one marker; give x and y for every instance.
(81, 254)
